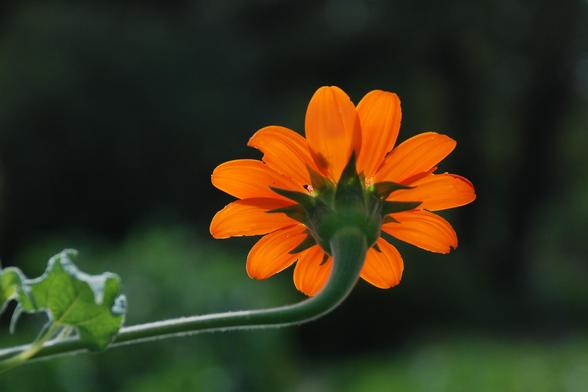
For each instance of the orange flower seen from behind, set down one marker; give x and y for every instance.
(399, 182)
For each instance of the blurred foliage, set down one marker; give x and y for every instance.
(465, 364)
(207, 278)
(167, 272)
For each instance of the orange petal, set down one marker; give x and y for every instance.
(249, 217)
(418, 154)
(310, 275)
(438, 192)
(332, 130)
(285, 151)
(383, 269)
(250, 178)
(423, 229)
(270, 254)
(379, 114)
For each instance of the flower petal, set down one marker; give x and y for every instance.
(285, 151)
(438, 192)
(380, 115)
(270, 254)
(250, 178)
(332, 130)
(249, 217)
(310, 275)
(423, 229)
(416, 155)
(383, 269)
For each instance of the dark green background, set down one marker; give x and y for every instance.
(113, 115)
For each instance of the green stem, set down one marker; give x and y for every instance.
(348, 245)
(29, 351)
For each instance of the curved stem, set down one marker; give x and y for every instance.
(348, 245)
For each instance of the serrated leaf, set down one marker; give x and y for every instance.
(92, 304)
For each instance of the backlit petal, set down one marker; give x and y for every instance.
(423, 229)
(270, 254)
(249, 217)
(285, 151)
(310, 275)
(383, 269)
(332, 130)
(416, 155)
(250, 178)
(438, 192)
(380, 115)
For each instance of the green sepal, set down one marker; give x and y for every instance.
(318, 181)
(390, 207)
(305, 200)
(350, 186)
(389, 219)
(385, 188)
(295, 212)
(349, 176)
(14, 318)
(305, 244)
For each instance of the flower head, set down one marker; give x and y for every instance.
(345, 172)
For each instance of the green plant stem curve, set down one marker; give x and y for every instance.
(348, 245)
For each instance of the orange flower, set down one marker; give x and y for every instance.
(293, 196)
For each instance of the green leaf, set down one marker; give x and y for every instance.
(11, 282)
(92, 304)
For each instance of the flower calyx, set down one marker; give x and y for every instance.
(327, 207)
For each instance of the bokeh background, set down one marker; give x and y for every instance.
(113, 115)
